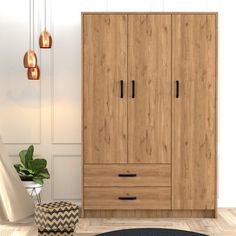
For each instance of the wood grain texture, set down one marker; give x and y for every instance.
(223, 225)
(194, 63)
(194, 112)
(146, 175)
(104, 65)
(82, 115)
(216, 123)
(149, 13)
(108, 198)
(150, 214)
(149, 65)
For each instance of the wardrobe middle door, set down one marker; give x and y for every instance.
(105, 100)
(149, 88)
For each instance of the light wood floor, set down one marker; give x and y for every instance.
(224, 225)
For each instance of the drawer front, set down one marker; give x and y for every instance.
(127, 175)
(127, 198)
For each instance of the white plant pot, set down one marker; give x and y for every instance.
(32, 188)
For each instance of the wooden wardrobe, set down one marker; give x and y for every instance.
(149, 114)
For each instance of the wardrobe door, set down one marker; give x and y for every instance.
(194, 111)
(149, 88)
(104, 88)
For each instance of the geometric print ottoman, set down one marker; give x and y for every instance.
(56, 217)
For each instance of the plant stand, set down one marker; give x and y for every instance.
(33, 190)
(34, 193)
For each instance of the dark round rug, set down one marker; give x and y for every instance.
(151, 232)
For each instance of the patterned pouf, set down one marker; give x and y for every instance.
(56, 217)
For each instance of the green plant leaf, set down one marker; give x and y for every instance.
(38, 180)
(21, 170)
(17, 167)
(21, 167)
(25, 172)
(31, 168)
(43, 173)
(37, 164)
(29, 155)
(22, 156)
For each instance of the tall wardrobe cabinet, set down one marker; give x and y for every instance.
(149, 114)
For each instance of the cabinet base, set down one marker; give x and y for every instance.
(149, 213)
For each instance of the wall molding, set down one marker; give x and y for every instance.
(38, 52)
(52, 75)
(53, 157)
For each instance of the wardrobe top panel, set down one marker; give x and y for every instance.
(150, 13)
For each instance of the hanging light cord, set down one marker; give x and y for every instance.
(30, 24)
(45, 10)
(33, 25)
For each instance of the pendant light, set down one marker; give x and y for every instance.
(30, 58)
(45, 38)
(33, 73)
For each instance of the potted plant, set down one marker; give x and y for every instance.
(32, 171)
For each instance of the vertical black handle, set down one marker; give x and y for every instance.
(177, 89)
(121, 89)
(133, 89)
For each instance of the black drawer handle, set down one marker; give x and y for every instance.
(127, 198)
(127, 175)
(121, 89)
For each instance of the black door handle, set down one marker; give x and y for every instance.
(133, 88)
(121, 89)
(127, 175)
(127, 198)
(177, 89)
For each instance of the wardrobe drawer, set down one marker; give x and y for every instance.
(127, 175)
(127, 198)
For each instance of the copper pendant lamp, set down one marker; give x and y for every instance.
(30, 58)
(45, 38)
(33, 73)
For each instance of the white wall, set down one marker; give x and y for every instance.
(47, 112)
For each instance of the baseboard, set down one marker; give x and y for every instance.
(150, 213)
